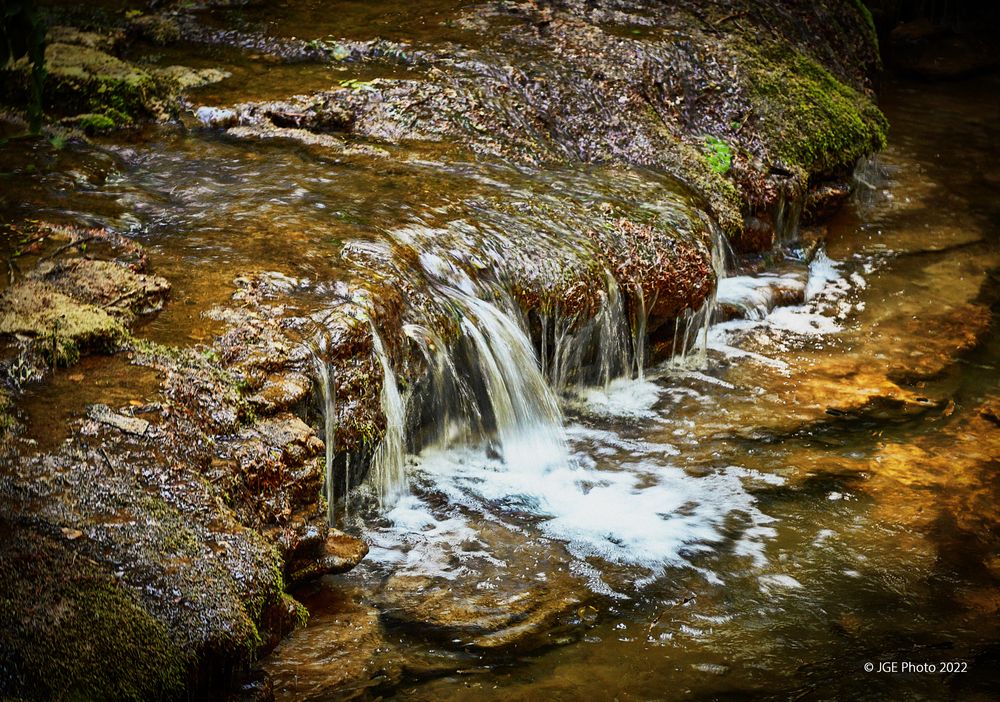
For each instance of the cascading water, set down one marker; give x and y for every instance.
(389, 465)
(328, 410)
(641, 319)
(690, 347)
(490, 387)
(571, 359)
(524, 408)
(614, 351)
(787, 218)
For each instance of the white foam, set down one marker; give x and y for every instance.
(623, 397)
(778, 581)
(641, 513)
(822, 272)
(756, 295)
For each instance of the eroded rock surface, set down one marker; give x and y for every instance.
(77, 300)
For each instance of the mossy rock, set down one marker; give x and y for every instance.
(61, 327)
(94, 124)
(72, 632)
(84, 80)
(810, 120)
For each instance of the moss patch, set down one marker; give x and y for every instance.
(76, 633)
(92, 123)
(61, 327)
(85, 80)
(810, 119)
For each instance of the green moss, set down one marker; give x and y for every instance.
(91, 123)
(85, 80)
(61, 327)
(869, 20)
(810, 119)
(76, 633)
(301, 612)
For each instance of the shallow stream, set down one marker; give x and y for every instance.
(818, 492)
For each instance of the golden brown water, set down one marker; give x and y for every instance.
(836, 493)
(883, 493)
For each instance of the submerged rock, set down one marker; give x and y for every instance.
(344, 654)
(499, 592)
(471, 617)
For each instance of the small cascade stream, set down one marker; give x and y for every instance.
(491, 389)
(576, 495)
(389, 464)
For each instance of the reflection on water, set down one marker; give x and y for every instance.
(823, 495)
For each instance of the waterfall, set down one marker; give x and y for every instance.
(524, 408)
(786, 221)
(597, 350)
(455, 414)
(640, 320)
(613, 342)
(328, 410)
(388, 466)
(690, 346)
(489, 387)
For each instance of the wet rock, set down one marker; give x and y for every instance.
(270, 470)
(753, 297)
(129, 425)
(561, 84)
(469, 617)
(158, 28)
(326, 142)
(186, 78)
(60, 327)
(83, 79)
(149, 569)
(498, 592)
(281, 391)
(342, 654)
(337, 553)
(342, 552)
(65, 617)
(107, 285)
(67, 305)
(61, 34)
(320, 113)
(823, 201)
(216, 117)
(991, 412)
(673, 271)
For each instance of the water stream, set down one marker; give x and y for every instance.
(807, 484)
(775, 506)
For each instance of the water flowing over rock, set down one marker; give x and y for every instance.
(421, 289)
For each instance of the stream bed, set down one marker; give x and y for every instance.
(821, 495)
(814, 488)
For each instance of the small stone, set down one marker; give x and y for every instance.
(71, 534)
(129, 425)
(217, 118)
